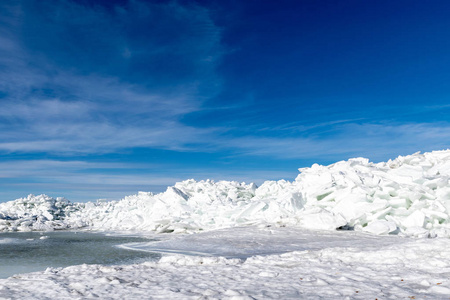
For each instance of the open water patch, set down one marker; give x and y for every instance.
(23, 252)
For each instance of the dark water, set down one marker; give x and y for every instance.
(22, 252)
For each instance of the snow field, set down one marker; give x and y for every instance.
(376, 267)
(409, 196)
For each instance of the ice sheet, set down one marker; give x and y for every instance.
(244, 242)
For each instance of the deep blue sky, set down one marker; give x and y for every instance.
(101, 99)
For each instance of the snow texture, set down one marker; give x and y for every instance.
(348, 265)
(408, 196)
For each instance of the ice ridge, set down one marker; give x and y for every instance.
(409, 195)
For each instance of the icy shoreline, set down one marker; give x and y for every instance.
(327, 265)
(409, 195)
(24, 252)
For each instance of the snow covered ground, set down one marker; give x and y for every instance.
(278, 240)
(300, 265)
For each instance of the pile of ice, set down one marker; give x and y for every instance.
(36, 213)
(409, 195)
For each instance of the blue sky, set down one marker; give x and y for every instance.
(101, 99)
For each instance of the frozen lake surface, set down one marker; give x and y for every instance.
(245, 242)
(22, 252)
(256, 263)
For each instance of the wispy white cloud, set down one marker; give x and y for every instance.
(380, 141)
(21, 168)
(80, 173)
(62, 95)
(80, 180)
(77, 80)
(88, 180)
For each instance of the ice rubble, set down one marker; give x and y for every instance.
(36, 213)
(409, 195)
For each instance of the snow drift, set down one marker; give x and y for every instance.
(409, 196)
